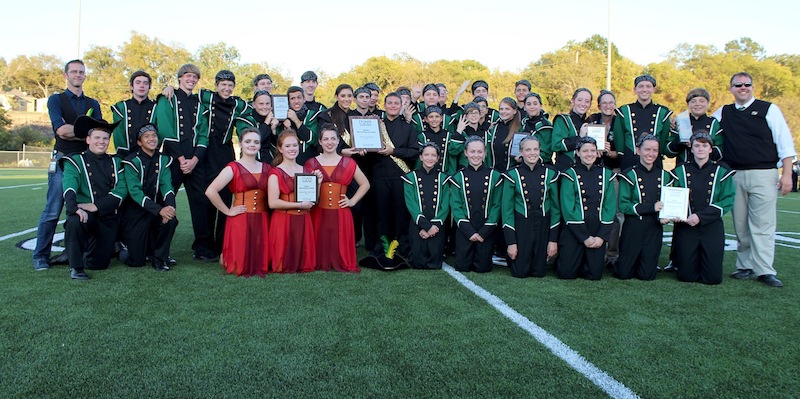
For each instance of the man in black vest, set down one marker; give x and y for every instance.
(64, 108)
(757, 140)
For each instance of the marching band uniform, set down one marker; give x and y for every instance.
(566, 134)
(683, 152)
(475, 195)
(452, 145)
(699, 250)
(135, 114)
(632, 121)
(215, 120)
(497, 153)
(641, 239)
(97, 179)
(268, 140)
(540, 127)
(149, 185)
(175, 120)
(428, 203)
(588, 205)
(531, 216)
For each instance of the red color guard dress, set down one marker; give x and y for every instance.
(244, 249)
(333, 225)
(291, 235)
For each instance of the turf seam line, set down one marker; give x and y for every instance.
(612, 387)
(23, 185)
(17, 234)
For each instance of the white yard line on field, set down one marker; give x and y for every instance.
(23, 232)
(792, 212)
(612, 387)
(24, 185)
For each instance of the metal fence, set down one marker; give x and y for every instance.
(25, 159)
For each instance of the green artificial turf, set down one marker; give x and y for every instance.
(196, 332)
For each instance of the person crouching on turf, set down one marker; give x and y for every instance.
(93, 191)
(699, 240)
(531, 212)
(475, 194)
(428, 203)
(640, 201)
(147, 216)
(588, 205)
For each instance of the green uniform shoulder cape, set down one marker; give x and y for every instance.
(625, 140)
(630, 195)
(122, 134)
(414, 200)
(543, 131)
(76, 179)
(453, 148)
(718, 145)
(572, 198)
(563, 128)
(204, 107)
(723, 191)
(167, 121)
(514, 199)
(491, 209)
(134, 178)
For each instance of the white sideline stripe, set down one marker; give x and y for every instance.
(612, 387)
(17, 234)
(792, 212)
(23, 185)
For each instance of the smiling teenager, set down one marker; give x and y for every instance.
(245, 247)
(569, 129)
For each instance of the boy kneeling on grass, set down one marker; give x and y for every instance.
(93, 191)
(147, 221)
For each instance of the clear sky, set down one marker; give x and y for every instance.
(334, 36)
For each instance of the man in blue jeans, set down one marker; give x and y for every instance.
(64, 108)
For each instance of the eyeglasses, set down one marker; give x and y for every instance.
(742, 84)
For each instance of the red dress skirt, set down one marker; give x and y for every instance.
(333, 226)
(244, 248)
(291, 235)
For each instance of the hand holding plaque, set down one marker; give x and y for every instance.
(365, 132)
(306, 187)
(675, 202)
(598, 133)
(513, 149)
(280, 106)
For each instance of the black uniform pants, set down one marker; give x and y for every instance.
(196, 194)
(392, 214)
(474, 256)
(426, 253)
(532, 236)
(143, 234)
(90, 244)
(699, 251)
(575, 259)
(217, 156)
(639, 248)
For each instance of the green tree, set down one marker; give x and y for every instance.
(105, 77)
(158, 59)
(40, 75)
(213, 58)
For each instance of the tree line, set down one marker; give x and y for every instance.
(555, 75)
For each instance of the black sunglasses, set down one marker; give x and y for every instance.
(742, 84)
